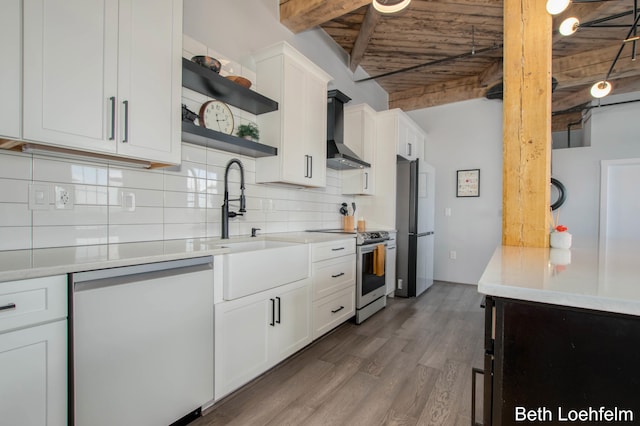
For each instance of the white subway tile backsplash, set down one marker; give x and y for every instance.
(15, 214)
(185, 215)
(15, 237)
(14, 191)
(130, 198)
(134, 233)
(173, 231)
(143, 179)
(45, 169)
(194, 153)
(79, 215)
(114, 204)
(61, 236)
(15, 166)
(140, 215)
(192, 47)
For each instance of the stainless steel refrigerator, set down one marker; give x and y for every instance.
(415, 212)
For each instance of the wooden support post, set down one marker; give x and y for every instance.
(526, 124)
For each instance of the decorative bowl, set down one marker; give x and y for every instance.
(240, 80)
(207, 61)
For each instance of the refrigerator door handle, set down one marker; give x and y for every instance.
(422, 234)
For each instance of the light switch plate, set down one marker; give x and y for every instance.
(39, 196)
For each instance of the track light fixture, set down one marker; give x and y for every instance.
(555, 7)
(601, 89)
(570, 25)
(390, 6)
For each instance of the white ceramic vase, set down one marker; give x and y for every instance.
(561, 240)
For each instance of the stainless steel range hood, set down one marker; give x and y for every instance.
(339, 156)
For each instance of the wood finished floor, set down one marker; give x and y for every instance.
(410, 364)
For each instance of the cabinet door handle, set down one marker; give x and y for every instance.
(279, 313)
(409, 146)
(126, 121)
(306, 166)
(337, 275)
(8, 307)
(366, 180)
(337, 249)
(112, 99)
(310, 166)
(337, 310)
(273, 313)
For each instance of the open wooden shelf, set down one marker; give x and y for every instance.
(203, 80)
(222, 141)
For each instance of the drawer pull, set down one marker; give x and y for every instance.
(337, 310)
(8, 307)
(337, 249)
(337, 275)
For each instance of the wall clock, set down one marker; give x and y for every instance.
(216, 115)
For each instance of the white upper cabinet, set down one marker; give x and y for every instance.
(11, 70)
(360, 137)
(411, 138)
(104, 76)
(298, 129)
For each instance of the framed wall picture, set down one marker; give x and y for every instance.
(468, 183)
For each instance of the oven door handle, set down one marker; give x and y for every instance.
(369, 248)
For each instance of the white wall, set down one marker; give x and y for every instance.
(615, 134)
(469, 135)
(239, 27)
(465, 135)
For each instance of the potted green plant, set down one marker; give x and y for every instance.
(248, 131)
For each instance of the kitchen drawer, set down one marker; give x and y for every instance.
(332, 311)
(331, 249)
(33, 301)
(332, 275)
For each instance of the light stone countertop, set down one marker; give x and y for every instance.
(600, 277)
(24, 264)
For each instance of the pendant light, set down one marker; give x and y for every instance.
(554, 7)
(390, 6)
(601, 89)
(569, 26)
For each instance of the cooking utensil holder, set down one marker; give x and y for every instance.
(347, 223)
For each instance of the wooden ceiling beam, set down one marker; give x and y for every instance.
(371, 19)
(580, 69)
(561, 122)
(300, 15)
(460, 89)
(492, 74)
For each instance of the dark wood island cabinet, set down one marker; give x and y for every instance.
(558, 365)
(562, 345)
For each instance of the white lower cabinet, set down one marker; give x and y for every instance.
(33, 352)
(334, 282)
(255, 332)
(331, 311)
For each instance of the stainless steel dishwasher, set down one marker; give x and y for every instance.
(142, 343)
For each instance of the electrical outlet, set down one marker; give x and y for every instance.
(447, 211)
(63, 197)
(399, 283)
(453, 255)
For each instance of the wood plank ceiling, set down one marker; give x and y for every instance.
(460, 41)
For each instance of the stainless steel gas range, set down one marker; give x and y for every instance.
(371, 250)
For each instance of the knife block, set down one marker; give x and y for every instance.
(347, 223)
